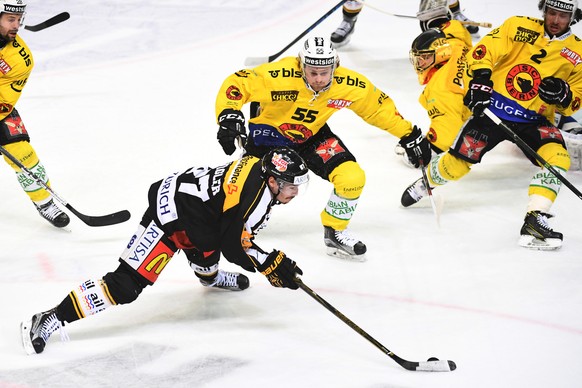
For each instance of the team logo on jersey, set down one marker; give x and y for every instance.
(479, 52)
(233, 93)
(522, 82)
(242, 73)
(328, 149)
(4, 67)
(472, 148)
(524, 35)
(431, 135)
(5, 108)
(572, 56)
(338, 104)
(285, 95)
(297, 133)
(549, 132)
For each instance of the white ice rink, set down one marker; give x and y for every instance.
(123, 93)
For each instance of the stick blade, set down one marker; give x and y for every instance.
(106, 220)
(49, 23)
(437, 366)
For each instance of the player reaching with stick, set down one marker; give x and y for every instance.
(204, 211)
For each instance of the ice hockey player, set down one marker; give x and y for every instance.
(351, 9)
(297, 96)
(438, 55)
(16, 64)
(204, 211)
(523, 72)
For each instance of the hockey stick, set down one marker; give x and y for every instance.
(432, 365)
(49, 22)
(254, 61)
(523, 145)
(435, 210)
(466, 23)
(109, 219)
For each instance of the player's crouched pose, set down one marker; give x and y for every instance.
(204, 211)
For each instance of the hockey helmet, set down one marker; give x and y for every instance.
(286, 166)
(429, 50)
(13, 6)
(318, 52)
(570, 6)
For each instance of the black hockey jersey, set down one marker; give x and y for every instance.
(212, 208)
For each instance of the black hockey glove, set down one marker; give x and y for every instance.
(231, 127)
(280, 270)
(416, 146)
(555, 91)
(478, 96)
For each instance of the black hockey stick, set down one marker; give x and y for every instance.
(109, 219)
(254, 61)
(523, 145)
(432, 365)
(49, 22)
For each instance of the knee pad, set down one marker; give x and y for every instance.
(556, 155)
(348, 180)
(124, 284)
(446, 167)
(22, 151)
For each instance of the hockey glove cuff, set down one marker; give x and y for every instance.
(478, 96)
(416, 146)
(231, 127)
(280, 270)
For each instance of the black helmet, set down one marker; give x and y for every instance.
(431, 44)
(284, 164)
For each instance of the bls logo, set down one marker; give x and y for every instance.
(285, 73)
(351, 81)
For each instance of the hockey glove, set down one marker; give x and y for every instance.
(280, 270)
(416, 146)
(478, 96)
(555, 91)
(231, 127)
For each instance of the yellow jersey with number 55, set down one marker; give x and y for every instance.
(294, 113)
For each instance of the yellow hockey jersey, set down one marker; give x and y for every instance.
(290, 113)
(443, 94)
(16, 63)
(521, 55)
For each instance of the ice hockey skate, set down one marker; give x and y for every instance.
(473, 30)
(414, 193)
(537, 234)
(225, 280)
(343, 34)
(50, 212)
(341, 244)
(36, 331)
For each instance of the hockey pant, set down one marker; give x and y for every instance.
(470, 148)
(15, 139)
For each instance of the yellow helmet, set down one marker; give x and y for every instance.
(428, 51)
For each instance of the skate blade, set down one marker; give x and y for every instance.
(549, 244)
(341, 254)
(25, 336)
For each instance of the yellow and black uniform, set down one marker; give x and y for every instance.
(204, 211)
(445, 88)
(520, 55)
(291, 114)
(16, 63)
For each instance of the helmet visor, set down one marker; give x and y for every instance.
(421, 59)
(294, 189)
